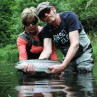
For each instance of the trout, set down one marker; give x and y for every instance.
(39, 64)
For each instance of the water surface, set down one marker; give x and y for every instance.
(12, 84)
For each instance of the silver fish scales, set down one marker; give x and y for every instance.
(39, 64)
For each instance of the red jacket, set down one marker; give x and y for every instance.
(22, 46)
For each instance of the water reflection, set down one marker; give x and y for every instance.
(82, 84)
(71, 85)
(45, 87)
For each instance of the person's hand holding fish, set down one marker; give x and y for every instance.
(27, 67)
(55, 68)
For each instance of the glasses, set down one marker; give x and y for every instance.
(42, 13)
(28, 23)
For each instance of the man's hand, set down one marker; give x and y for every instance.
(56, 69)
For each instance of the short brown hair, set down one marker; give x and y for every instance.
(28, 13)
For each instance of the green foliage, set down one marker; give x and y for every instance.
(88, 16)
(5, 13)
(93, 38)
(95, 51)
(95, 70)
(11, 26)
(9, 53)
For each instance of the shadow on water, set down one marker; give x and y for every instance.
(70, 85)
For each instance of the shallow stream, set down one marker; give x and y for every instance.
(12, 84)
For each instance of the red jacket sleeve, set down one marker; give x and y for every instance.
(21, 44)
(54, 53)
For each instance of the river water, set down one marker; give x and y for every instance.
(13, 84)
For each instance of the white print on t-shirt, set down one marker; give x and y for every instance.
(62, 37)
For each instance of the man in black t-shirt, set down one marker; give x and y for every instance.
(67, 31)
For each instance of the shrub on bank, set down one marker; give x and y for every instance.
(9, 53)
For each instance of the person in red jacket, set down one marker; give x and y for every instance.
(30, 41)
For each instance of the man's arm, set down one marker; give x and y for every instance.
(74, 45)
(47, 50)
